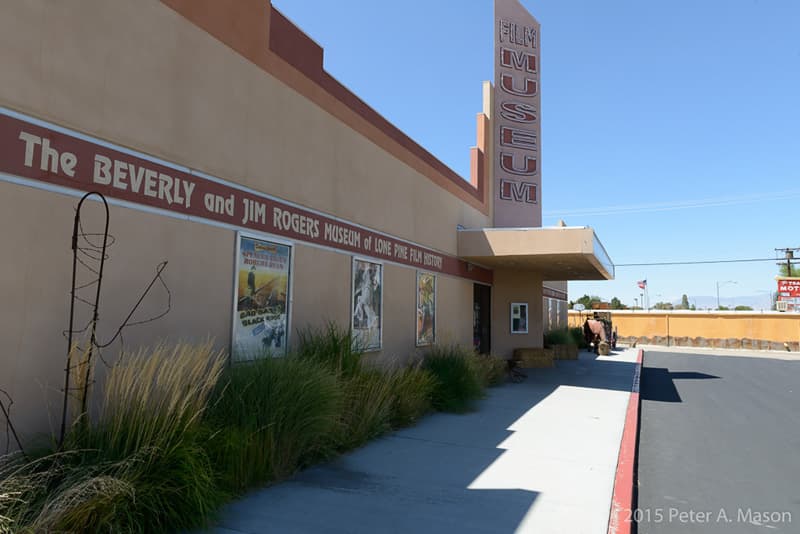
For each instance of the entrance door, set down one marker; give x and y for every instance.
(482, 318)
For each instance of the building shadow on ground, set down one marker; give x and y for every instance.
(421, 479)
(658, 383)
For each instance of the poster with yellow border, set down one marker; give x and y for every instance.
(261, 319)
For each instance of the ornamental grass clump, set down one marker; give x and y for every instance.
(367, 411)
(491, 370)
(270, 418)
(23, 488)
(412, 395)
(458, 381)
(331, 346)
(140, 466)
(368, 394)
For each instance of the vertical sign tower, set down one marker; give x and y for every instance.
(517, 155)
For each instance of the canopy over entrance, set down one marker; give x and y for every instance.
(559, 253)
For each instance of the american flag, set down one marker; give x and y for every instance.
(642, 284)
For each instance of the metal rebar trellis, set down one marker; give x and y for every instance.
(97, 252)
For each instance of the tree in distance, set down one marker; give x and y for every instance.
(587, 301)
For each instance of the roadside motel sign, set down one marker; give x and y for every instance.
(789, 287)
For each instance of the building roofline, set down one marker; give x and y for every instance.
(264, 36)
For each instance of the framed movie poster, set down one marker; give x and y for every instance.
(519, 317)
(261, 314)
(366, 311)
(426, 309)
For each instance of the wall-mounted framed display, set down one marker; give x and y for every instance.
(366, 305)
(519, 317)
(426, 309)
(262, 297)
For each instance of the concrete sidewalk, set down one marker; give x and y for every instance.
(539, 456)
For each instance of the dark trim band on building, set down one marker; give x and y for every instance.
(553, 293)
(36, 150)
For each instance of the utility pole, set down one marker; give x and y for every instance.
(788, 254)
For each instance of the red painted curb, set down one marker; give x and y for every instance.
(620, 519)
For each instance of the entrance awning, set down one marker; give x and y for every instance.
(558, 253)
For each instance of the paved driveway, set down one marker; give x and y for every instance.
(719, 447)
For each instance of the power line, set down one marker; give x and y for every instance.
(700, 262)
(677, 205)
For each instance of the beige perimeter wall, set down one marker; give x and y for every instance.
(722, 329)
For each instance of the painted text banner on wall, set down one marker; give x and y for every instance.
(35, 151)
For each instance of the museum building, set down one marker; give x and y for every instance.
(251, 195)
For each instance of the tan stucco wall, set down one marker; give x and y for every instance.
(778, 327)
(161, 85)
(35, 274)
(515, 286)
(139, 75)
(36, 269)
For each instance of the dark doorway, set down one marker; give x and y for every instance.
(482, 318)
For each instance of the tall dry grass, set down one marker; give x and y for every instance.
(154, 397)
(178, 433)
(140, 466)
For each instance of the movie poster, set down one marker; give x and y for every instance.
(426, 309)
(367, 305)
(260, 324)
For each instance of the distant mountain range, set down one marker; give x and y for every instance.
(757, 302)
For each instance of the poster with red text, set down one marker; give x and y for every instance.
(261, 317)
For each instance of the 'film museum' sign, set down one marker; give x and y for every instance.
(37, 152)
(517, 158)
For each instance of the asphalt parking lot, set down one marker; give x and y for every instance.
(719, 443)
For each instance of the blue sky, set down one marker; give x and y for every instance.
(671, 127)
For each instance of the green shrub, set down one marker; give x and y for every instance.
(458, 383)
(269, 418)
(491, 370)
(559, 336)
(331, 346)
(139, 467)
(576, 333)
(412, 390)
